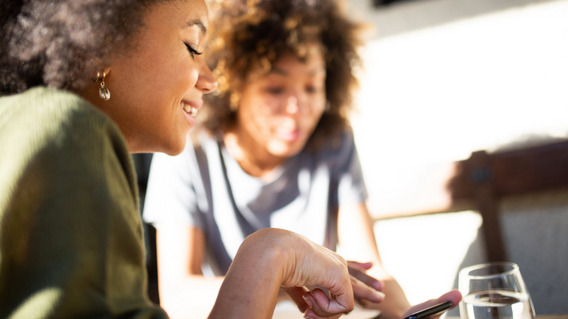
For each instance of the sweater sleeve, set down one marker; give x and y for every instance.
(70, 233)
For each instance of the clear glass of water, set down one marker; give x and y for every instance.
(494, 290)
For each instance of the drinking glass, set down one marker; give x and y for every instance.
(494, 290)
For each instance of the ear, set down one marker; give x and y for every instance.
(104, 92)
(101, 74)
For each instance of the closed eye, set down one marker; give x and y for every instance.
(193, 52)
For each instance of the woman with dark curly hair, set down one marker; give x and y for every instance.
(83, 83)
(274, 149)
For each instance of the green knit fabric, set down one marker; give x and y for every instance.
(71, 241)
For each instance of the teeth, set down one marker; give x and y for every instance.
(189, 109)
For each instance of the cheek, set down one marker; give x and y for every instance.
(253, 108)
(180, 78)
(169, 69)
(317, 110)
(316, 116)
(192, 77)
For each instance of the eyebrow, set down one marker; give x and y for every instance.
(198, 23)
(282, 71)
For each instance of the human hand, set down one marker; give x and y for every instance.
(454, 296)
(276, 258)
(359, 271)
(359, 279)
(313, 302)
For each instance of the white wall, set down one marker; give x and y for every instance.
(437, 93)
(444, 78)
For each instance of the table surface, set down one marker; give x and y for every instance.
(289, 311)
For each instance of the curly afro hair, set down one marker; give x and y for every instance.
(61, 43)
(248, 35)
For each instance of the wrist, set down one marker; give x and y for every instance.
(254, 278)
(272, 249)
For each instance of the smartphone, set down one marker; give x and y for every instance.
(431, 311)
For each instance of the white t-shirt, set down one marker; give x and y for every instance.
(206, 188)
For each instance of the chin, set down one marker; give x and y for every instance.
(172, 151)
(285, 151)
(174, 147)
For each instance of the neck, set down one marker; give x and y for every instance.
(253, 159)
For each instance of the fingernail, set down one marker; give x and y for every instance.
(308, 315)
(379, 285)
(307, 300)
(380, 295)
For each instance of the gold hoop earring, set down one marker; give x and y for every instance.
(104, 93)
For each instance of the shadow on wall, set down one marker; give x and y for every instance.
(399, 17)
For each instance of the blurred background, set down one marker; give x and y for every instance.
(443, 79)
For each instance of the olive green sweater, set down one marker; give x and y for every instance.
(71, 241)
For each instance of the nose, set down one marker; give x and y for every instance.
(206, 82)
(292, 104)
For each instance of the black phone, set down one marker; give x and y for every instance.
(431, 311)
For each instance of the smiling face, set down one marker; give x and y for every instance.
(279, 110)
(157, 84)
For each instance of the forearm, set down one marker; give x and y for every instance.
(250, 289)
(273, 258)
(184, 291)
